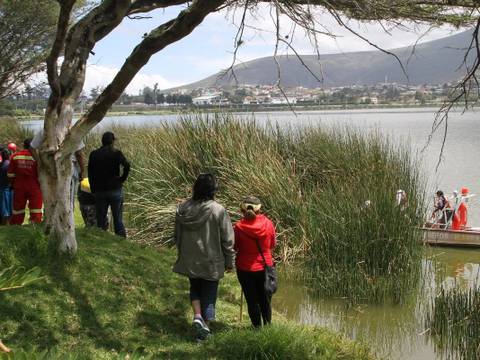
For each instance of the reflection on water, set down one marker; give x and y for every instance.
(394, 331)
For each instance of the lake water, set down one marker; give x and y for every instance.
(459, 165)
(396, 332)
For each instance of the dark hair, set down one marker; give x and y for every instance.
(439, 193)
(249, 214)
(108, 138)
(4, 153)
(205, 187)
(26, 143)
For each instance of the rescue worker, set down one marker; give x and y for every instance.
(23, 176)
(462, 208)
(12, 147)
(442, 206)
(401, 199)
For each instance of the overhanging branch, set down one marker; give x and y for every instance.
(143, 6)
(157, 40)
(81, 39)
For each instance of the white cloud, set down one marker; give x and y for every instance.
(98, 75)
(260, 31)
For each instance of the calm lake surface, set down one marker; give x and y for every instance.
(395, 332)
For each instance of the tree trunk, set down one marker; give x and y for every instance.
(55, 178)
(55, 175)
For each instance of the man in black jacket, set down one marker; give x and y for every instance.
(106, 182)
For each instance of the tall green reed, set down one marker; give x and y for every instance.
(454, 322)
(12, 131)
(313, 183)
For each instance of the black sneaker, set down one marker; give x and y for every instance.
(201, 329)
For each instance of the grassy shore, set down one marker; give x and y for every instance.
(117, 298)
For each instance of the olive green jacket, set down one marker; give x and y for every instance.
(204, 238)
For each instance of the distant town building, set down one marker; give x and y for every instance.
(210, 99)
(283, 100)
(207, 99)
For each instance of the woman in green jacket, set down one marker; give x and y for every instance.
(204, 238)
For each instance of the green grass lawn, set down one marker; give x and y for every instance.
(117, 298)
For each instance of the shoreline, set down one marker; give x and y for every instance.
(250, 109)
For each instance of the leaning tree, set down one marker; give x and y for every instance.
(75, 39)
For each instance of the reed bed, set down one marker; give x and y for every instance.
(313, 183)
(12, 131)
(454, 322)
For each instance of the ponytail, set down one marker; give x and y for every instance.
(249, 214)
(250, 207)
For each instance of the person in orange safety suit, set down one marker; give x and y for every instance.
(23, 175)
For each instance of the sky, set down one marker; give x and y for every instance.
(210, 47)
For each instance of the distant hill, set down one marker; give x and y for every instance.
(433, 62)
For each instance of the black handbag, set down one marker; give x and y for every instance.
(270, 283)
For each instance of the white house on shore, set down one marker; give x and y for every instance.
(213, 99)
(283, 100)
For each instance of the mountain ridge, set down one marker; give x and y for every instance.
(433, 62)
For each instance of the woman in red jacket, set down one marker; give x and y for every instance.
(254, 228)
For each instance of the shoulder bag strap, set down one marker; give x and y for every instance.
(258, 247)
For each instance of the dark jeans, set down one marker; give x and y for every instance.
(258, 302)
(114, 199)
(206, 292)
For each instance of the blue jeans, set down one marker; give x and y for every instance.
(206, 292)
(6, 202)
(114, 199)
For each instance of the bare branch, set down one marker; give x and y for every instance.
(342, 23)
(238, 43)
(81, 39)
(276, 21)
(460, 92)
(143, 6)
(57, 48)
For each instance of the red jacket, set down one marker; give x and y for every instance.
(246, 231)
(23, 170)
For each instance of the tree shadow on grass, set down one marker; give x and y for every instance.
(27, 329)
(168, 323)
(86, 312)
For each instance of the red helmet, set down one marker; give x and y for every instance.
(464, 191)
(12, 147)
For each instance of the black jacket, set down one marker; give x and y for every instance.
(104, 169)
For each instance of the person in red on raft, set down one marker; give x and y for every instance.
(23, 176)
(252, 228)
